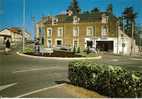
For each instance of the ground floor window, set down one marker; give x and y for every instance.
(59, 43)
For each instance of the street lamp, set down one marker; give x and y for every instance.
(123, 44)
(23, 29)
(33, 20)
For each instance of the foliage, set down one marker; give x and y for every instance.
(74, 49)
(74, 7)
(28, 50)
(108, 80)
(129, 16)
(95, 10)
(78, 50)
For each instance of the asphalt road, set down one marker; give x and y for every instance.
(20, 75)
(29, 74)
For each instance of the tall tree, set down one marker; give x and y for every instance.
(95, 10)
(74, 7)
(110, 9)
(129, 16)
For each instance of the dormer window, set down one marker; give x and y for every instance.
(76, 20)
(104, 19)
(54, 20)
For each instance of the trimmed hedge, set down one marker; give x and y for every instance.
(108, 80)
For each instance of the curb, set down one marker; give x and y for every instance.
(57, 58)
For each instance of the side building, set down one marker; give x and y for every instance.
(14, 34)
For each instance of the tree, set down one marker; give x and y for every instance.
(130, 16)
(95, 10)
(110, 9)
(86, 12)
(74, 7)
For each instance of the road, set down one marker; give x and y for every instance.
(29, 74)
(20, 75)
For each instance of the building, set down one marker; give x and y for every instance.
(75, 29)
(15, 35)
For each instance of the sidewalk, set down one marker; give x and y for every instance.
(63, 91)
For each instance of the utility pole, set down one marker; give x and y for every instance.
(33, 20)
(132, 40)
(23, 29)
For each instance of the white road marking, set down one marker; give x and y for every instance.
(36, 69)
(6, 86)
(115, 60)
(134, 59)
(40, 90)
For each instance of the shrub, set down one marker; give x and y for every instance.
(78, 50)
(108, 80)
(74, 49)
(28, 50)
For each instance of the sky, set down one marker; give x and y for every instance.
(11, 11)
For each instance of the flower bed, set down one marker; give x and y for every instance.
(55, 54)
(108, 80)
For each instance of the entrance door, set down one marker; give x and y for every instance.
(105, 46)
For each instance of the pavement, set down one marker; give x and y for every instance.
(62, 91)
(35, 77)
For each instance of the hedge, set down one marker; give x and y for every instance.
(108, 80)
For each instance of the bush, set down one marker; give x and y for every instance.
(28, 50)
(108, 80)
(78, 50)
(74, 50)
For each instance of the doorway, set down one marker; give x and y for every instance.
(104, 46)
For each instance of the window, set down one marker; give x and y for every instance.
(90, 31)
(54, 20)
(59, 43)
(60, 32)
(49, 44)
(104, 30)
(76, 20)
(104, 19)
(75, 31)
(49, 32)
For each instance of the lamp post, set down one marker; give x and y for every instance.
(23, 29)
(34, 28)
(123, 44)
(132, 40)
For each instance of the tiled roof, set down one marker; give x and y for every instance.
(83, 18)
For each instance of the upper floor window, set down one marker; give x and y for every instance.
(75, 31)
(49, 32)
(104, 30)
(90, 31)
(60, 32)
